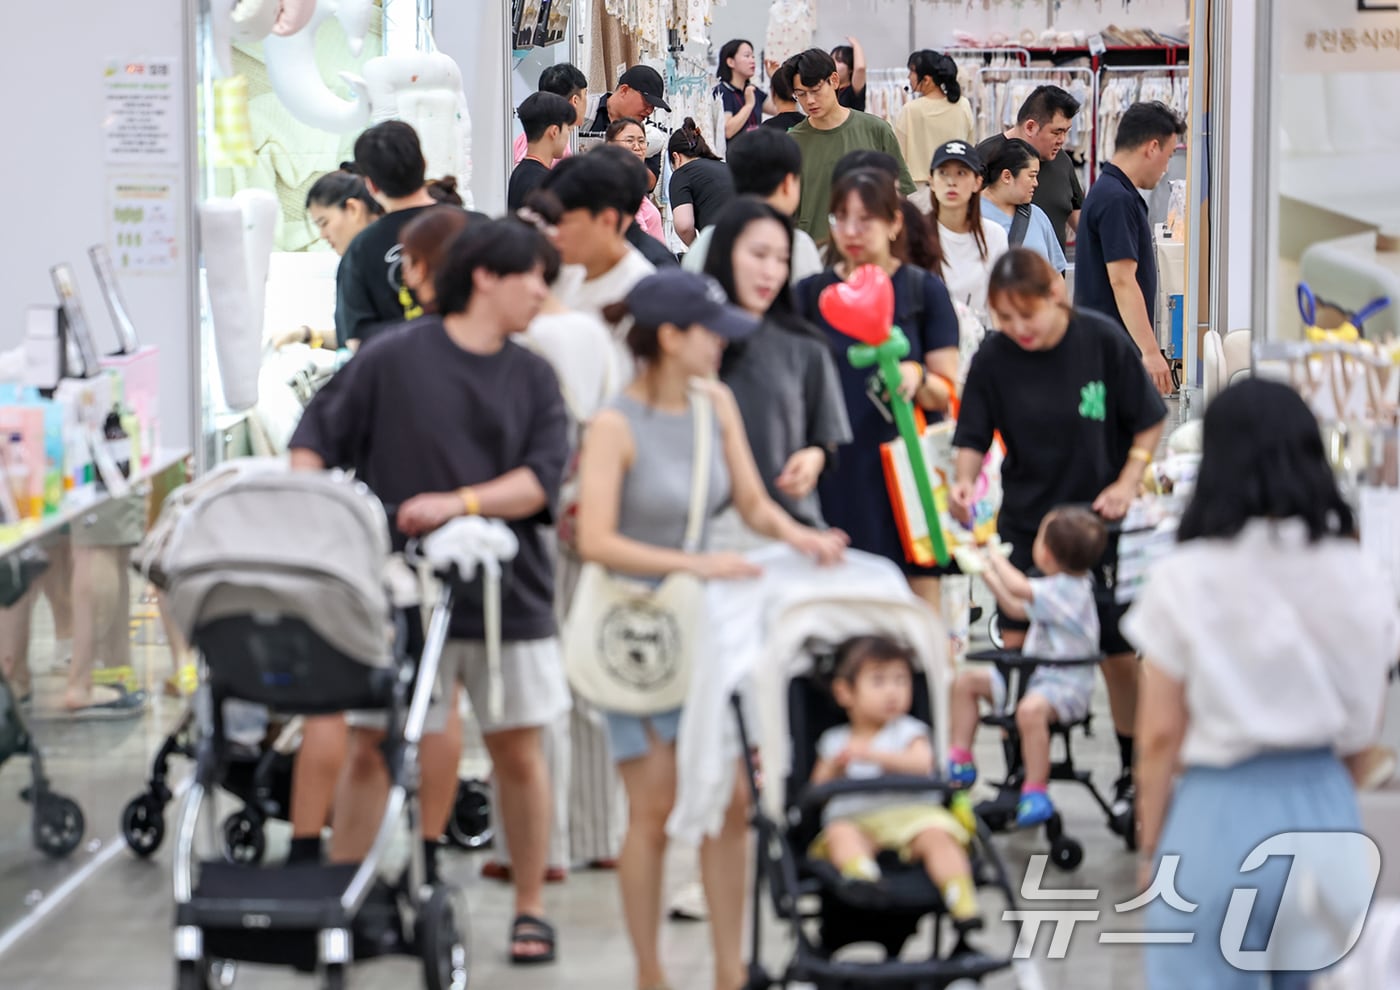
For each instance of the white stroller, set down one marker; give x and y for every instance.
(282, 581)
(789, 673)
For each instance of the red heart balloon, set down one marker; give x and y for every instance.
(862, 306)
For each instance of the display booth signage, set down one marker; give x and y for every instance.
(1332, 36)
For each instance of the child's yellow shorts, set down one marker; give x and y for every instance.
(896, 827)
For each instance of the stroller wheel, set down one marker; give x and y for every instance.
(758, 978)
(143, 825)
(244, 839)
(1066, 853)
(58, 825)
(442, 943)
(192, 975)
(994, 631)
(335, 977)
(470, 826)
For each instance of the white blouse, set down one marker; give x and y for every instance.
(1281, 644)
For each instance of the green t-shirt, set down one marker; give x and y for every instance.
(820, 152)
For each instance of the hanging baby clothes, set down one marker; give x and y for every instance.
(791, 25)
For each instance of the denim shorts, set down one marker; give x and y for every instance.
(628, 736)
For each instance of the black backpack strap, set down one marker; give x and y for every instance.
(1020, 224)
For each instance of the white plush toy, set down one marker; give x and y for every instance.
(424, 89)
(296, 79)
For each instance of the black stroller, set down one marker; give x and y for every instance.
(57, 824)
(260, 776)
(304, 625)
(823, 912)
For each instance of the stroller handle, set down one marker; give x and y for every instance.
(1015, 658)
(818, 796)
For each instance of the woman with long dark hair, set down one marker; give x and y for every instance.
(970, 243)
(1011, 179)
(937, 115)
(1266, 638)
(783, 376)
(1081, 420)
(867, 228)
(744, 103)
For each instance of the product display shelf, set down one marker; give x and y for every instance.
(17, 536)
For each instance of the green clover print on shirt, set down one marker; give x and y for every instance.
(1093, 401)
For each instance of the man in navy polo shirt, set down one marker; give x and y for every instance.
(1115, 270)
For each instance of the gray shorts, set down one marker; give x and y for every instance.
(535, 691)
(1068, 698)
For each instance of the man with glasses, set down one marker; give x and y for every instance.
(828, 133)
(1044, 123)
(640, 90)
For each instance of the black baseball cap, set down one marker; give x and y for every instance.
(958, 151)
(685, 298)
(647, 81)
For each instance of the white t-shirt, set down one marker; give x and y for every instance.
(1280, 644)
(578, 346)
(587, 295)
(897, 736)
(965, 271)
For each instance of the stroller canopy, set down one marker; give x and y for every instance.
(271, 541)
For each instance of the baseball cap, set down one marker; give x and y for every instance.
(685, 298)
(957, 151)
(647, 81)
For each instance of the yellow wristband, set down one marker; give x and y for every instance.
(470, 502)
(316, 339)
(1140, 454)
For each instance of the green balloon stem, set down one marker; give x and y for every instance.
(886, 357)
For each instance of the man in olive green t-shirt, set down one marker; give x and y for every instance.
(830, 131)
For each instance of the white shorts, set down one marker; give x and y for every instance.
(534, 693)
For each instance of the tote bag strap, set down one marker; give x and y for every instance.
(702, 416)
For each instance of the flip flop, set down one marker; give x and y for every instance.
(502, 873)
(127, 704)
(527, 929)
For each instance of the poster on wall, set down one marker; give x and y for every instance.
(1332, 36)
(141, 111)
(141, 225)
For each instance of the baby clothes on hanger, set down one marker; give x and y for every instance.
(791, 26)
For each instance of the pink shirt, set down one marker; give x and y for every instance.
(649, 219)
(521, 147)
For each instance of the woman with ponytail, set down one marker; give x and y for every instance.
(701, 184)
(937, 115)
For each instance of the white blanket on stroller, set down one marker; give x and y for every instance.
(738, 638)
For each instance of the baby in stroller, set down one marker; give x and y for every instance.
(1064, 625)
(874, 684)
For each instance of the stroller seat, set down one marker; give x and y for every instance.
(999, 812)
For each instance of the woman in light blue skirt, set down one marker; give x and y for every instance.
(1266, 639)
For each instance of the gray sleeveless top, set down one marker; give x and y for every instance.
(656, 491)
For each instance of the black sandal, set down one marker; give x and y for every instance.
(528, 929)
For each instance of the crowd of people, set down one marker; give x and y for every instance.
(542, 369)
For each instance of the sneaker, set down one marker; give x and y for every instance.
(1034, 808)
(1124, 793)
(962, 774)
(689, 904)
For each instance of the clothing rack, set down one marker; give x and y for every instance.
(1122, 86)
(998, 93)
(887, 92)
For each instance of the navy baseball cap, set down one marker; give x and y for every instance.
(647, 81)
(684, 298)
(958, 151)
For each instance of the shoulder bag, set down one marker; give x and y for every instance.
(629, 645)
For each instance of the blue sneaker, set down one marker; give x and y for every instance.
(962, 774)
(1034, 808)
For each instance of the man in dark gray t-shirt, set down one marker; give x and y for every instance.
(1044, 122)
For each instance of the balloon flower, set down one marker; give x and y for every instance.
(862, 308)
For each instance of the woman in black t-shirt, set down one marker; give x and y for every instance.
(1081, 420)
(701, 184)
(867, 228)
